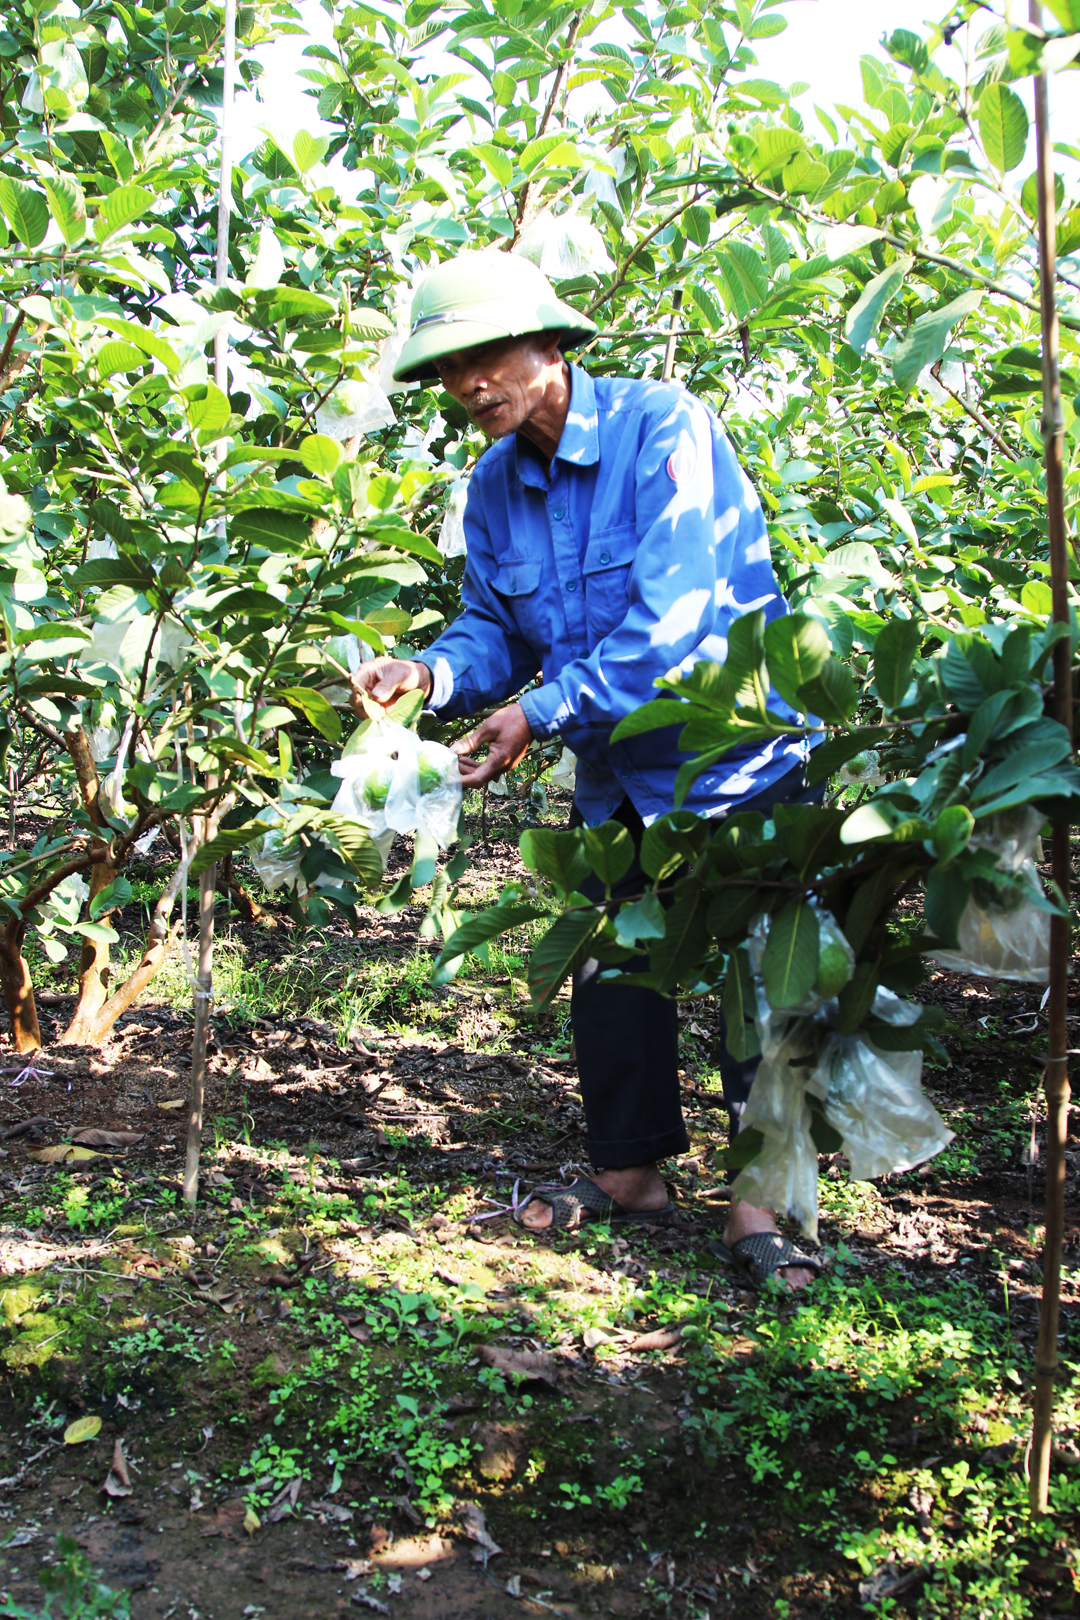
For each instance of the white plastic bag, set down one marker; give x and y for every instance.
(564, 774)
(452, 541)
(357, 406)
(1002, 935)
(873, 1099)
(396, 783)
(564, 245)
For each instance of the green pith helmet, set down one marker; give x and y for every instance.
(479, 298)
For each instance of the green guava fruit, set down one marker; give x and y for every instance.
(430, 772)
(377, 788)
(834, 971)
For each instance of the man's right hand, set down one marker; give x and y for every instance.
(384, 680)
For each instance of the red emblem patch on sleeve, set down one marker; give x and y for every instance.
(681, 462)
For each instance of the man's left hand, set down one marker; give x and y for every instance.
(507, 734)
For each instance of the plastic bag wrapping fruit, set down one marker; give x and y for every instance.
(1004, 930)
(276, 858)
(394, 782)
(872, 1099)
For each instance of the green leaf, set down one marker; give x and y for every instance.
(67, 206)
(947, 892)
(1003, 126)
(26, 210)
(474, 931)
(895, 649)
(789, 962)
(745, 1148)
(226, 842)
(354, 843)
(832, 695)
(122, 206)
(952, 831)
(563, 948)
(321, 455)
(738, 1004)
(609, 849)
(558, 855)
(308, 150)
(775, 146)
(796, 647)
(685, 939)
(745, 278)
(314, 707)
(863, 317)
(857, 996)
(925, 343)
(828, 757)
(671, 841)
(115, 356)
(115, 895)
(641, 919)
(650, 717)
(110, 571)
(101, 933)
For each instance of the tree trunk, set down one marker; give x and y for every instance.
(159, 938)
(18, 990)
(94, 958)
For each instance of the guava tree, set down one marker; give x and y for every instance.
(859, 309)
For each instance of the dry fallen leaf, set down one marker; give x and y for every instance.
(353, 1568)
(368, 1602)
(251, 1521)
(64, 1153)
(118, 1480)
(331, 1512)
(661, 1339)
(84, 1428)
(526, 1364)
(175, 1102)
(423, 1574)
(92, 1137)
(475, 1527)
(594, 1337)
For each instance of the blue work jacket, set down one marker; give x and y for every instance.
(630, 557)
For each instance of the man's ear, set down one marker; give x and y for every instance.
(548, 344)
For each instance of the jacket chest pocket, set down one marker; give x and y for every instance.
(517, 584)
(609, 557)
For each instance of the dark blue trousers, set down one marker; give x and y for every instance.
(627, 1038)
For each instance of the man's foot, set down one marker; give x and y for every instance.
(745, 1219)
(638, 1188)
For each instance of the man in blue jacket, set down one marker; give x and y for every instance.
(611, 536)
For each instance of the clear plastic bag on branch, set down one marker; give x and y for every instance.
(875, 1099)
(395, 782)
(1004, 934)
(872, 1100)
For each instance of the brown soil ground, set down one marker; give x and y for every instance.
(446, 1103)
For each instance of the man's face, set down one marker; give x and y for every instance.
(502, 384)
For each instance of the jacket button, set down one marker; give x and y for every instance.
(558, 514)
(571, 584)
(605, 556)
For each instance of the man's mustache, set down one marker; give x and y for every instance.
(481, 403)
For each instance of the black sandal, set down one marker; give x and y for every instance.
(759, 1255)
(570, 1205)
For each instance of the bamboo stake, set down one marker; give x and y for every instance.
(204, 993)
(1057, 1068)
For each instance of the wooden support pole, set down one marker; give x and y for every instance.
(204, 992)
(1057, 1067)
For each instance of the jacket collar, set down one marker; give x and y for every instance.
(580, 441)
